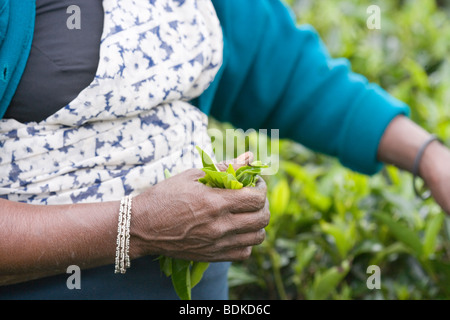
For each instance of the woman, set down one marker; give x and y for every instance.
(94, 115)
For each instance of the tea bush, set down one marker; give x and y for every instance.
(330, 224)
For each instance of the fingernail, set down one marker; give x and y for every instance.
(244, 158)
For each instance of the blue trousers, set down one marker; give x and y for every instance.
(143, 280)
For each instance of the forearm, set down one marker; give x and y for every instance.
(200, 224)
(400, 143)
(39, 241)
(399, 146)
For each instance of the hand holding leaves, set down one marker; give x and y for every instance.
(187, 274)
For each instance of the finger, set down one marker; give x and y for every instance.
(232, 224)
(237, 253)
(244, 239)
(243, 160)
(261, 185)
(240, 254)
(248, 199)
(234, 254)
(240, 223)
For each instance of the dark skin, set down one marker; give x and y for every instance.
(199, 223)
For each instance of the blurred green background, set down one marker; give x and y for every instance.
(329, 224)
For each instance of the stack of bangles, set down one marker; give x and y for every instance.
(422, 194)
(123, 236)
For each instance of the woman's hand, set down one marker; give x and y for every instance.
(183, 218)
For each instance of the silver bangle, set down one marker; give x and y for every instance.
(422, 194)
(127, 234)
(122, 261)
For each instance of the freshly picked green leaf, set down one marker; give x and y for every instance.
(187, 274)
(206, 160)
(198, 268)
(245, 176)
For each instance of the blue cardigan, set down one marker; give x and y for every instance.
(16, 34)
(280, 75)
(276, 75)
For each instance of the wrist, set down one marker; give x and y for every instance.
(435, 157)
(137, 227)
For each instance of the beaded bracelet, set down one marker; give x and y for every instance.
(122, 261)
(415, 171)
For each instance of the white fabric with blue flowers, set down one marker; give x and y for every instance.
(133, 121)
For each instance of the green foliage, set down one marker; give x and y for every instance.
(245, 176)
(329, 224)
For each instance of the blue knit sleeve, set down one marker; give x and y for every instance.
(277, 75)
(16, 35)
